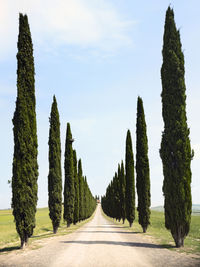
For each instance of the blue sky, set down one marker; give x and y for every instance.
(97, 56)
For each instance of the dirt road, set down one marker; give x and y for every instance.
(98, 243)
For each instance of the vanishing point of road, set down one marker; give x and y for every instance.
(99, 243)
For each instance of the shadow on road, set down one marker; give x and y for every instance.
(7, 249)
(127, 244)
(108, 226)
(109, 232)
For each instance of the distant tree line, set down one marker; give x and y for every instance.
(119, 200)
(79, 204)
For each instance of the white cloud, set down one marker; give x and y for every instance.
(86, 23)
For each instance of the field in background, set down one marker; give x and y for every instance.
(9, 239)
(162, 235)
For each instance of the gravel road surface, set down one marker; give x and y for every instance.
(99, 243)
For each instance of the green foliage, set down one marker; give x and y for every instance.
(111, 201)
(25, 167)
(84, 197)
(76, 187)
(69, 192)
(116, 188)
(119, 200)
(122, 191)
(142, 168)
(175, 146)
(89, 201)
(81, 191)
(55, 175)
(130, 180)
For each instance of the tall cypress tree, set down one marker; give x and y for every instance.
(25, 167)
(76, 187)
(55, 176)
(81, 188)
(130, 180)
(175, 146)
(69, 193)
(142, 168)
(116, 189)
(122, 183)
(86, 199)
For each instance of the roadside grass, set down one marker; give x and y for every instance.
(162, 236)
(9, 239)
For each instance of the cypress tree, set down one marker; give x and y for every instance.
(122, 183)
(76, 187)
(175, 149)
(111, 200)
(25, 167)
(80, 180)
(130, 180)
(119, 213)
(86, 199)
(69, 193)
(55, 176)
(116, 190)
(142, 168)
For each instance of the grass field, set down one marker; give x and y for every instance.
(9, 239)
(162, 235)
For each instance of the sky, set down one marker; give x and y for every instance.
(97, 57)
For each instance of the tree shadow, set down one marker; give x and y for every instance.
(46, 229)
(107, 226)
(8, 249)
(42, 235)
(110, 232)
(119, 243)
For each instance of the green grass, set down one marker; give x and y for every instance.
(162, 236)
(9, 239)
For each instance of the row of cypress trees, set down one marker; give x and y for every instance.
(113, 203)
(119, 200)
(79, 203)
(175, 151)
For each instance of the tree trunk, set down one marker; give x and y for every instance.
(144, 229)
(24, 243)
(55, 229)
(130, 224)
(178, 238)
(123, 221)
(68, 224)
(179, 241)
